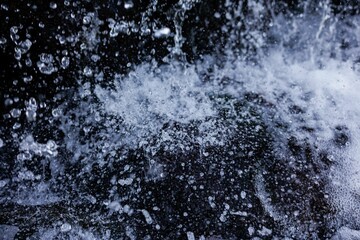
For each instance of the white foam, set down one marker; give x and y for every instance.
(149, 98)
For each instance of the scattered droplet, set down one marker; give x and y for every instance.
(56, 112)
(46, 58)
(27, 79)
(25, 46)
(190, 236)
(15, 113)
(243, 194)
(65, 227)
(163, 32)
(53, 5)
(87, 71)
(3, 40)
(65, 62)
(13, 33)
(86, 20)
(128, 4)
(31, 108)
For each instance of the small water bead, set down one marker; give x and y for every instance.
(65, 62)
(46, 69)
(27, 79)
(16, 126)
(87, 71)
(25, 46)
(28, 62)
(31, 108)
(42, 105)
(17, 54)
(45, 64)
(2, 40)
(243, 194)
(46, 58)
(4, 7)
(163, 32)
(86, 20)
(61, 39)
(51, 148)
(53, 5)
(65, 227)
(3, 182)
(13, 34)
(56, 112)
(95, 57)
(1, 143)
(128, 4)
(15, 113)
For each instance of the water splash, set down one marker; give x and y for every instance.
(261, 135)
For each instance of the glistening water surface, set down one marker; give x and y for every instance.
(180, 119)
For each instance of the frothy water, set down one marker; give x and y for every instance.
(256, 138)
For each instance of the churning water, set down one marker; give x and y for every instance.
(185, 120)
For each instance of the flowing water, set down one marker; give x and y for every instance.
(182, 120)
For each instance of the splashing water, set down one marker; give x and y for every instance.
(250, 132)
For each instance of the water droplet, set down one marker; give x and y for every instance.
(87, 71)
(128, 4)
(1, 143)
(95, 58)
(243, 194)
(46, 58)
(28, 62)
(3, 40)
(27, 79)
(46, 69)
(65, 62)
(86, 20)
(17, 53)
(56, 112)
(13, 33)
(53, 5)
(62, 39)
(25, 46)
(163, 32)
(16, 126)
(15, 113)
(31, 107)
(66, 227)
